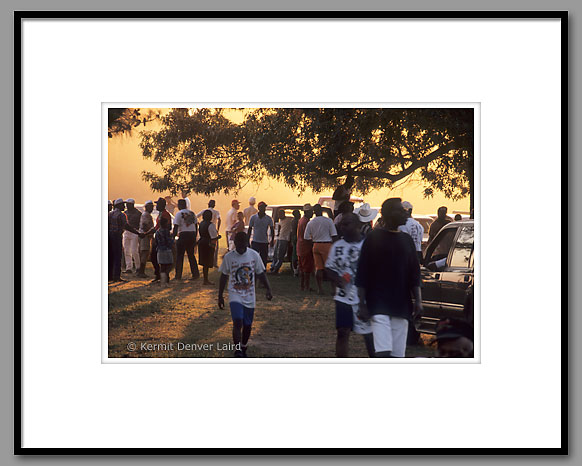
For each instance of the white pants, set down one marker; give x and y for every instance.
(131, 250)
(390, 334)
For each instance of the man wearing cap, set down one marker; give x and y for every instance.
(305, 249)
(162, 213)
(146, 226)
(413, 228)
(322, 232)
(231, 219)
(388, 275)
(454, 339)
(216, 220)
(117, 224)
(250, 210)
(185, 227)
(260, 223)
(131, 240)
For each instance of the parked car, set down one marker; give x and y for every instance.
(327, 201)
(273, 212)
(448, 290)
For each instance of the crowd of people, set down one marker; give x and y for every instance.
(373, 269)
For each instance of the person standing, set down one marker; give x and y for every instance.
(217, 221)
(241, 268)
(261, 223)
(165, 243)
(146, 226)
(322, 232)
(131, 240)
(207, 244)
(162, 213)
(295, 257)
(305, 249)
(345, 208)
(342, 194)
(109, 206)
(284, 226)
(441, 221)
(185, 227)
(341, 268)
(388, 275)
(366, 215)
(117, 224)
(231, 219)
(413, 228)
(250, 210)
(239, 224)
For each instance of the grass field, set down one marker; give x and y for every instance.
(146, 320)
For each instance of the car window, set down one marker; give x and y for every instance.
(463, 248)
(440, 247)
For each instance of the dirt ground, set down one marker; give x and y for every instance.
(184, 321)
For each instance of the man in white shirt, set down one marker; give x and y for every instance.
(281, 246)
(250, 210)
(242, 266)
(413, 228)
(185, 227)
(216, 220)
(231, 218)
(322, 232)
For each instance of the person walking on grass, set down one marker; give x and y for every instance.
(295, 257)
(231, 219)
(322, 232)
(241, 268)
(165, 243)
(305, 249)
(185, 227)
(162, 213)
(131, 240)
(217, 222)
(146, 226)
(388, 275)
(117, 224)
(207, 244)
(341, 268)
(260, 224)
(284, 226)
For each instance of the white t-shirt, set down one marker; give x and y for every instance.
(320, 230)
(186, 220)
(242, 269)
(343, 259)
(415, 230)
(285, 226)
(231, 218)
(215, 214)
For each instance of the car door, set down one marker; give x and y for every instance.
(431, 281)
(457, 277)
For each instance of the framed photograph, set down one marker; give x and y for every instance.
(311, 214)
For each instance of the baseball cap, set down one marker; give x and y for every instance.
(262, 203)
(149, 202)
(252, 200)
(130, 201)
(233, 201)
(118, 201)
(407, 205)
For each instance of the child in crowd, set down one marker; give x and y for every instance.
(165, 244)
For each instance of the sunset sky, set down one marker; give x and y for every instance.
(126, 163)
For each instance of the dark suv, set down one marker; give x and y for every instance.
(447, 288)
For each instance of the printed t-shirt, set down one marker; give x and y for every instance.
(242, 270)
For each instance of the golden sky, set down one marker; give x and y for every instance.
(125, 165)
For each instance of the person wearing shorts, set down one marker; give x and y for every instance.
(240, 268)
(322, 232)
(341, 267)
(388, 275)
(305, 249)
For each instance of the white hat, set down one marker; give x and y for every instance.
(307, 207)
(366, 213)
(109, 203)
(149, 202)
(118, 201)
(130, 201)
(252, 200)
(407, 205)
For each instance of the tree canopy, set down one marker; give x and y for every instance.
(124, 120)
(202, 151)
